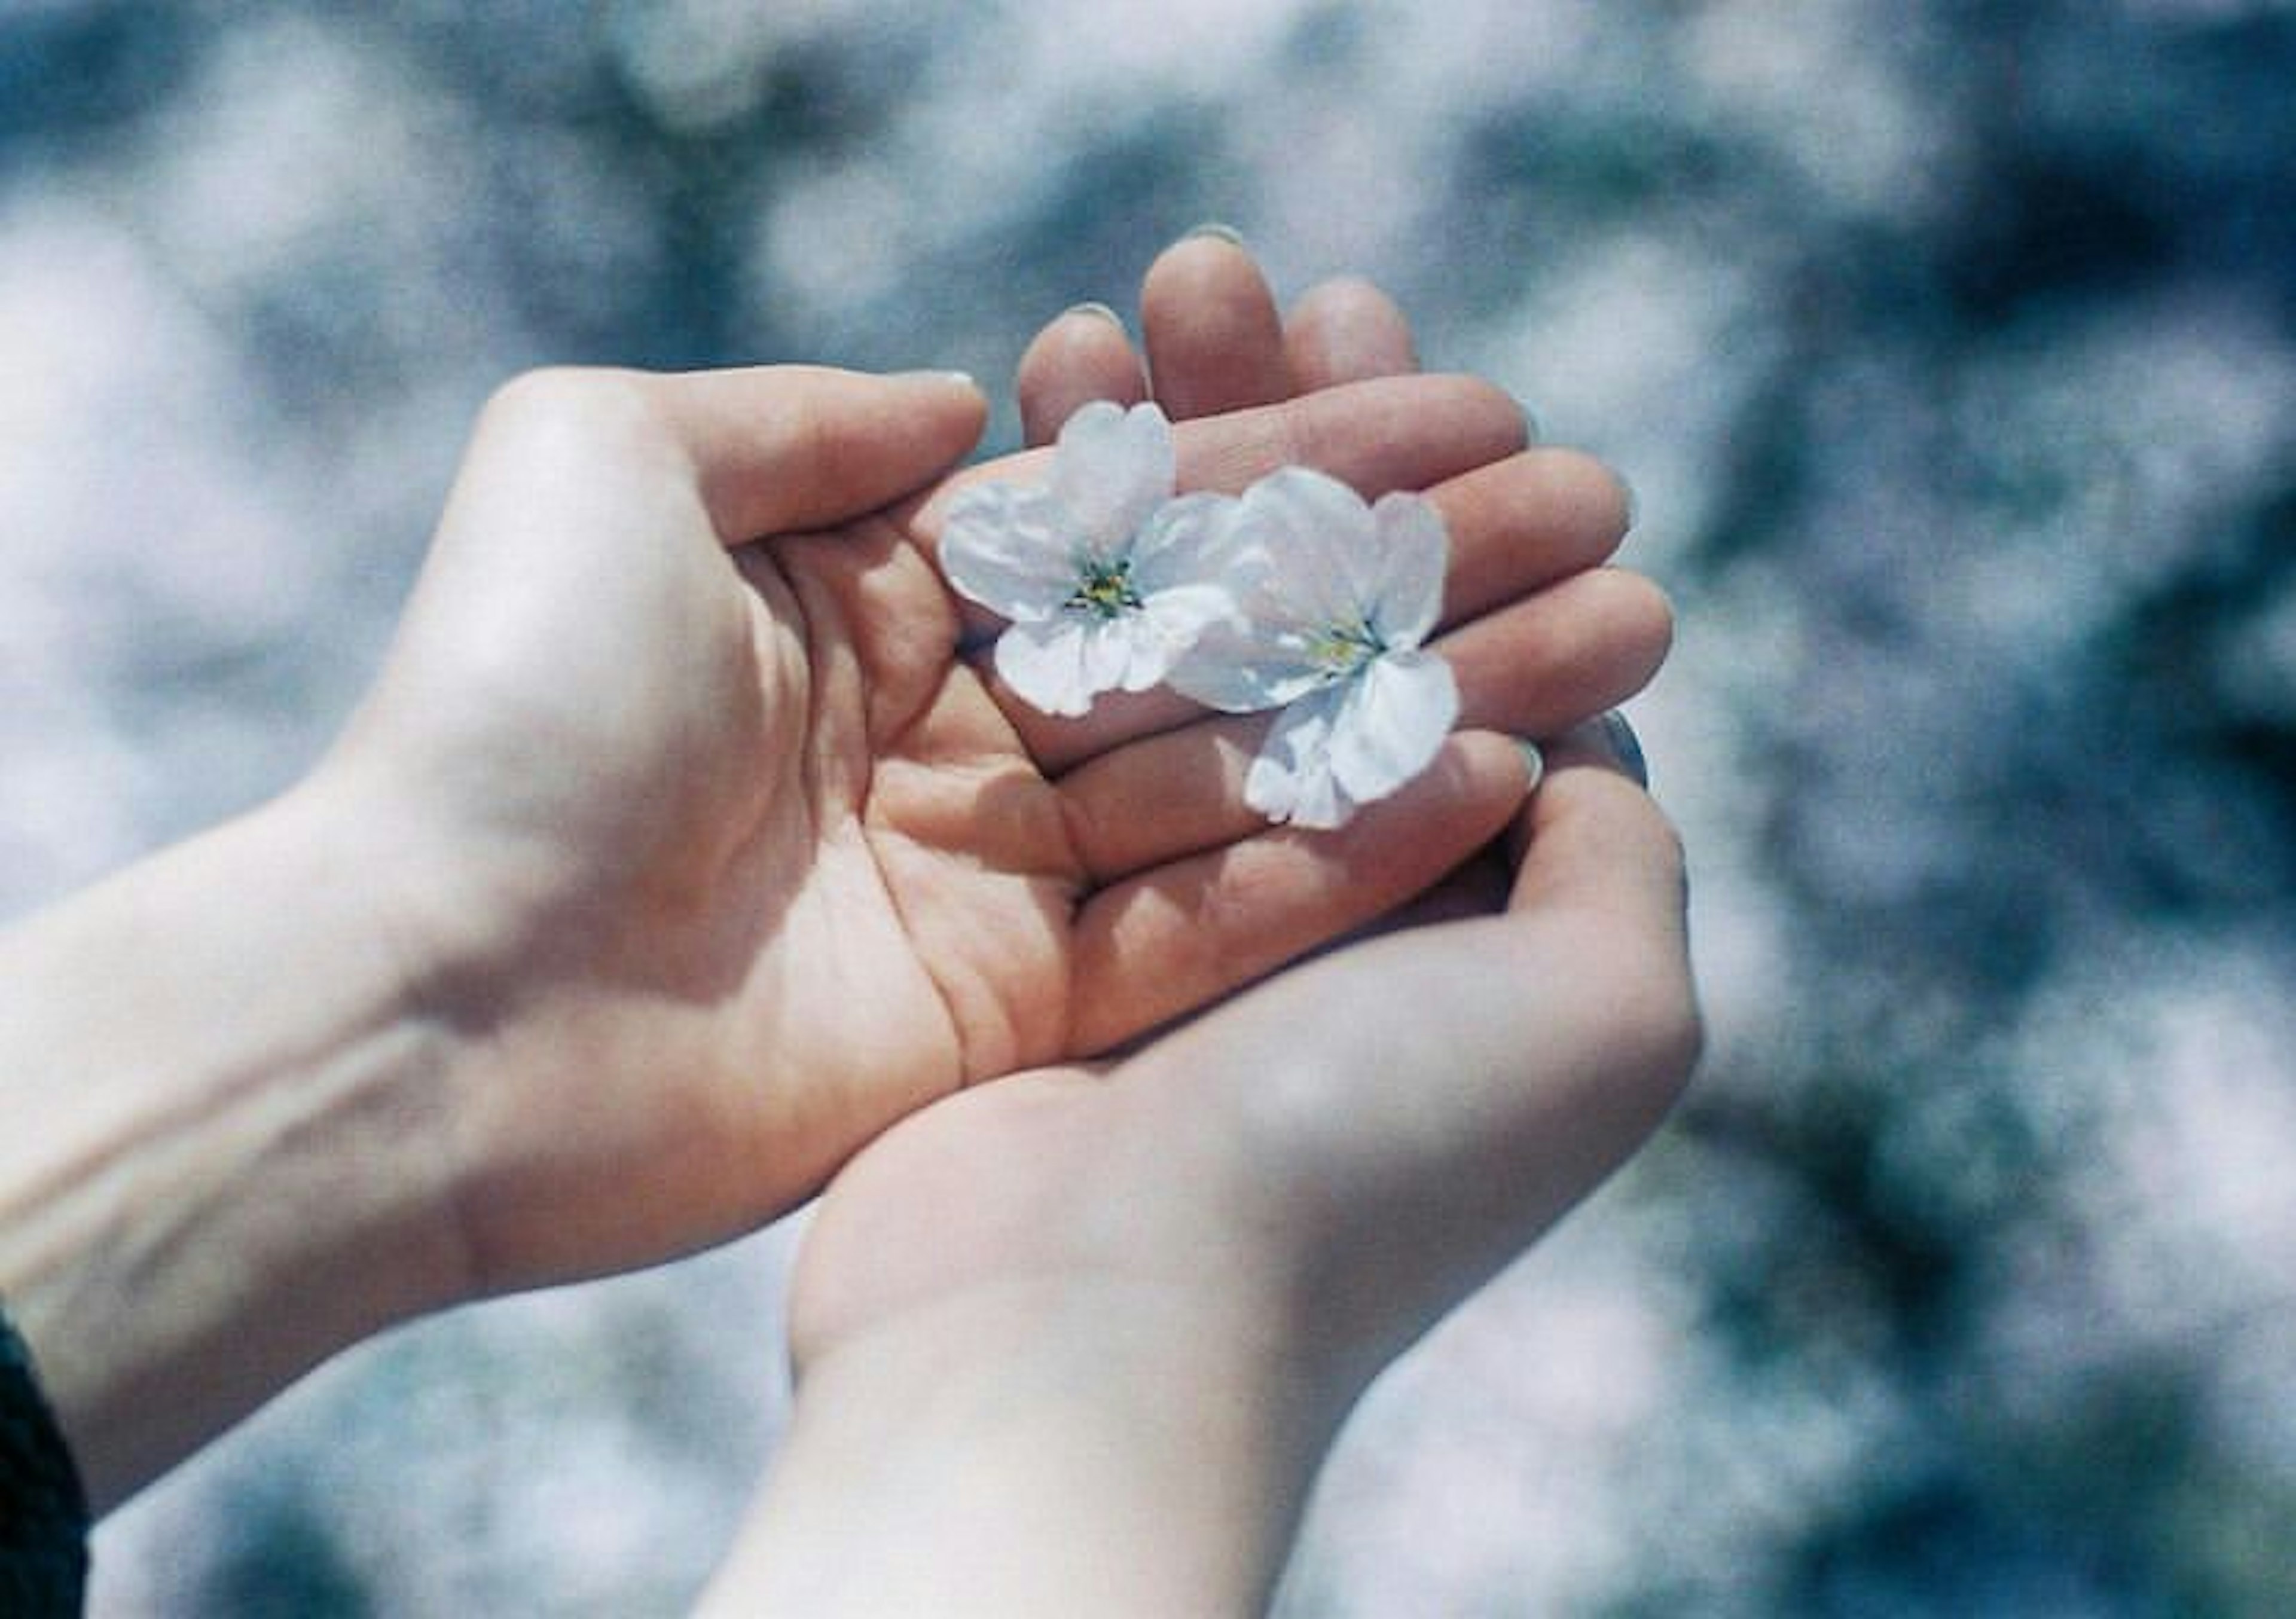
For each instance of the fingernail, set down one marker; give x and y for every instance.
(1534, 762)
(1217, 231)
(1634, 501)
(1619, 737)
(1098, 311)
(961, 378)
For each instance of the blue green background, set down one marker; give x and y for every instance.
(1951, 349)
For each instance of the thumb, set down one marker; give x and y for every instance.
(1408, 1113)
(781, 447)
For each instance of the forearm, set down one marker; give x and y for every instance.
(1040, 1451)
(217, 1165)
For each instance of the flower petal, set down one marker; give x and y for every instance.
(1409, 553)
(1391, 722)
(1181, 615)
(1046, 664)
(1111, 648)
(1006, 546)
(1316, 534)
(1112, 469)
(1290, 779)
(1191, 539)
(1243, 666)
(1258, 655)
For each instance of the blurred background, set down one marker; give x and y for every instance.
(1951, 348)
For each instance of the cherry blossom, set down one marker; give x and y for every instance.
(1106, 576)
(1336, 598)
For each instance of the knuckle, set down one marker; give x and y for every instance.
(1674, 1040)
(1080, 828)
(1295, 433)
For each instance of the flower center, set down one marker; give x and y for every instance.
(1105, 588)
(1340, 649)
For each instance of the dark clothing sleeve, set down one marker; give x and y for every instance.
(43, 1508)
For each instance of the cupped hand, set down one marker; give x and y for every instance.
(1335, 1158)
(726, 855)
(1077, 1341)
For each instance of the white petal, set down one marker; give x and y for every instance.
(1181, 614)
(1317, 535)
(1410, 550)
(1004, 546)
(1255, 656)
(1193, 539)
(1290, 779)
(1108, 652)
(1113, 468)
(1126, 653)
(1394, 718)
(1045, 664)
(1244, 667)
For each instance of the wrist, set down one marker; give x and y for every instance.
(221, 1142)
(1091, 1444)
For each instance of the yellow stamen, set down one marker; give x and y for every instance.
(1342, 649)
(1105, 590)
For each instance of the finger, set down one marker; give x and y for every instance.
(1523, 523)
(1560, 657)
(1082, 355)
(1606, 741)
(1594, 934)
(1346, 331)
(781, 447)
(1179, 937)
(1517, 525)
(1169, 795)
(1600, 858)
(1215, 341)
(1600, 880)
(1476, 887)
(1538, 668)
(1385, 433)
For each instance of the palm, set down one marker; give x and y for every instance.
(787, 867)
(942, 892)
(831, 883)
(759, 864)
(837, 882)
(743, 859)
(1386, 1125)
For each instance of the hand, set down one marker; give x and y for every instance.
(1214, 342)
(679, 850)
(1076, 1342)
(732, 859)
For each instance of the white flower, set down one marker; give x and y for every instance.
(1106, 576)
(1338, 597)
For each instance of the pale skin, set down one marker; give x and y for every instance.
(1077, 1342)
(679, 851)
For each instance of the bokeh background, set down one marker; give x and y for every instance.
(1951, 349)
